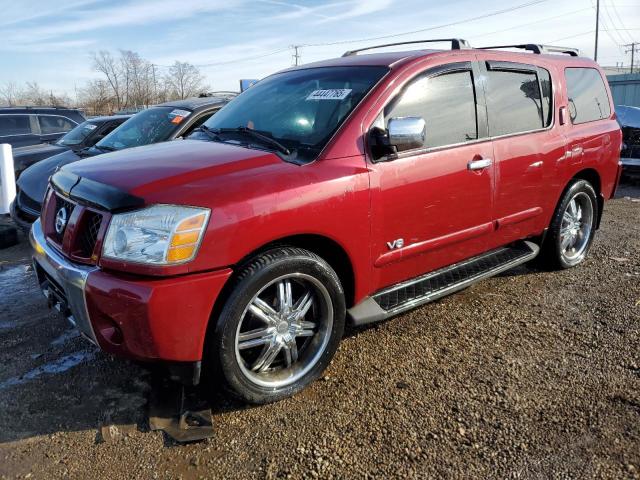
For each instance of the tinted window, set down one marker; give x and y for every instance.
(153, 125)
(588, 99)
(547, 101)
(198, 122)
(446, 103)
(78, 134)
(14, 125)
(514, 101)
(54, 124)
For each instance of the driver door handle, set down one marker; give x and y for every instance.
(479, 164)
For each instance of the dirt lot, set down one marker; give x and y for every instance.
(527, 375)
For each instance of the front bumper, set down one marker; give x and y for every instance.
(142, 318)
(62, 282)
(22, 217)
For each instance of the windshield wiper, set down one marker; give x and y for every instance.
(208, 132)
(265, 139)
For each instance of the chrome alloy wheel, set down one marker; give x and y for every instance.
(575, 229)
(284, 330)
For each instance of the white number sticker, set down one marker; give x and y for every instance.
(329, 94)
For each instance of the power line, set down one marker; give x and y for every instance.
(611, 21)
(459, 22)
(237, 60)
(617, 14)
(532, 23)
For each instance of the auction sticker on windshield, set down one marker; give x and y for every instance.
(177, 115)
(330, 94)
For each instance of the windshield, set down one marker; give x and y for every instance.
(300, 109)
(149, 126)
(78, 134)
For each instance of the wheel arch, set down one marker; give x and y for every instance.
(593, 177)
(326, 248)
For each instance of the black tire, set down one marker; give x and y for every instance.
(552, 255)
(8, 236)
(265, 272)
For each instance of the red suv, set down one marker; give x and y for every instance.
(349, 189)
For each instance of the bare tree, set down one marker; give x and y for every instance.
(97, 98)
(138, 78)
(10, 94)
(185, 80)
(34, 95)
(104, 63)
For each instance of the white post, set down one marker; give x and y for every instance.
(7, 178)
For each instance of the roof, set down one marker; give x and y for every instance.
(197, 102)
(395, 59)
(29, 109)
(108, 118)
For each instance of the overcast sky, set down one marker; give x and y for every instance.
(51, 41)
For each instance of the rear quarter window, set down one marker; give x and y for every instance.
(588, 99)
(14, 125)
(54, 124)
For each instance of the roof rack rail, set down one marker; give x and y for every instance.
(538, 48)
(456, 44)
(217, 93)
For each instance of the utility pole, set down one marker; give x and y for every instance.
(633, 48)
(595, 53)
(296, 57)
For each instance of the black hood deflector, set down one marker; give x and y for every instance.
(100, 195)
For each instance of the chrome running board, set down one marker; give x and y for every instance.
(432, 286)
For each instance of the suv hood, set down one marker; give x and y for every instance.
(155, 170)
(35, 179)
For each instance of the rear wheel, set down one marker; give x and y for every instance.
(280, 326)
(572, 228)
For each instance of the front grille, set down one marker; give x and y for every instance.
(78, 239)
(60, 204)
(28, 203)
(88, 235)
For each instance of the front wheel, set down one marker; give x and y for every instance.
(572, 228)
(280, 326)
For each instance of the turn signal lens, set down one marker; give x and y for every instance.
(186, 238)
(179, 254)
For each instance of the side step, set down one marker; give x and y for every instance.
(432, 286)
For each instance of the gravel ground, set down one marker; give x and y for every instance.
(527, 375)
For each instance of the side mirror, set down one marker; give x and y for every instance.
(406, 133)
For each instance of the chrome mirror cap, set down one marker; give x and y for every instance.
(406, 133)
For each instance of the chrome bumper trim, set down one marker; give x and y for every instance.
(70, 277)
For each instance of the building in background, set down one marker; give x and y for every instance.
(625, 89)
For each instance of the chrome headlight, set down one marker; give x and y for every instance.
(158, 235)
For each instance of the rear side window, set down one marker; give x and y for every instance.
(54, 124)
(518, 101)
(14, 125)
(588, 99)
(446, 102)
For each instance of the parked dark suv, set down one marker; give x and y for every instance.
(24, 126)
(351, 189)
(629, 120)
(81, 137)
(164, 122)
